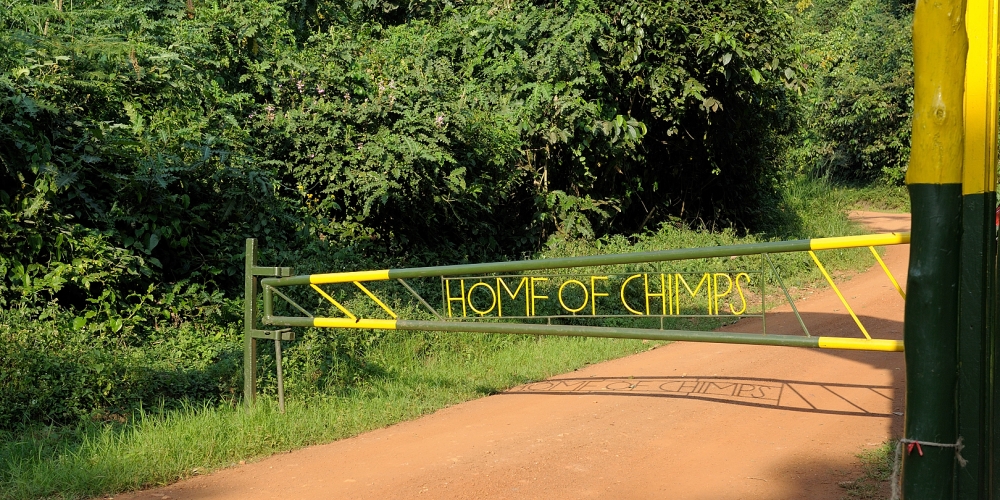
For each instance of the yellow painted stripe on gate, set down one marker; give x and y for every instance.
(861, 344)
(319, 279)
(334, 302)
(377, 301)
(888, 273)
(864, 240)
(380, 324)
(833, 285)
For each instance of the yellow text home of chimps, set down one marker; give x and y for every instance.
(659, 294)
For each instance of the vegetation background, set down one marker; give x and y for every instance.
(142, 141)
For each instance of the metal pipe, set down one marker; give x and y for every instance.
(791, 302)
(888, 273)
(281, 380)
(249, 324)
(836, 290)
(593, 331)
(598, 260)
(286, 299)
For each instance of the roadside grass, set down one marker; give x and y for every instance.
(398, 375)
(159, 448)
(876, 468)
(820, 207)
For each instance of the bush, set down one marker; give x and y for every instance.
(149, 140)
(142, 142)
(504, 124)
(53, 373)
(858, 58)
(121, 147)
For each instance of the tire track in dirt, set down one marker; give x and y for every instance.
(684, 421)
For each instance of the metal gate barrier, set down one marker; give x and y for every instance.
(474, 297)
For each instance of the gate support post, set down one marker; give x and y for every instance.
(978, 255)
(249, 324)
(934, 179)
(251, 292)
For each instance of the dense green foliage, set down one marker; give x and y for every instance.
(52, 372)
(125, 164)
(857, 62)
(505, 123)
(141, 142)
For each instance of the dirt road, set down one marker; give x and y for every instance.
(684, 421)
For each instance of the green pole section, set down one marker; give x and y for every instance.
(993, 399)
(978, 247)
(930, 334)
(603, 260)
(249, 320)
(611, 259)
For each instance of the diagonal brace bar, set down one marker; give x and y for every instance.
(835, 289)
(787, 296)
(887, 273)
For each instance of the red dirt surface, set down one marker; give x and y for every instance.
(683, 421)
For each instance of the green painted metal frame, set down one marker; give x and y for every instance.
(251, 290)
(263, 283)
(788, 296)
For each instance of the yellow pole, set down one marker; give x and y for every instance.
(939, 51)
(980, 174)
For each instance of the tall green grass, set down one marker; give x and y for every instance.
(393, 376)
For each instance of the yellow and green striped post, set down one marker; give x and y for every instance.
(977, 290)
(934, 180)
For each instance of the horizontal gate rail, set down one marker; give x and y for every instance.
(598, 260)
(598, 331)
